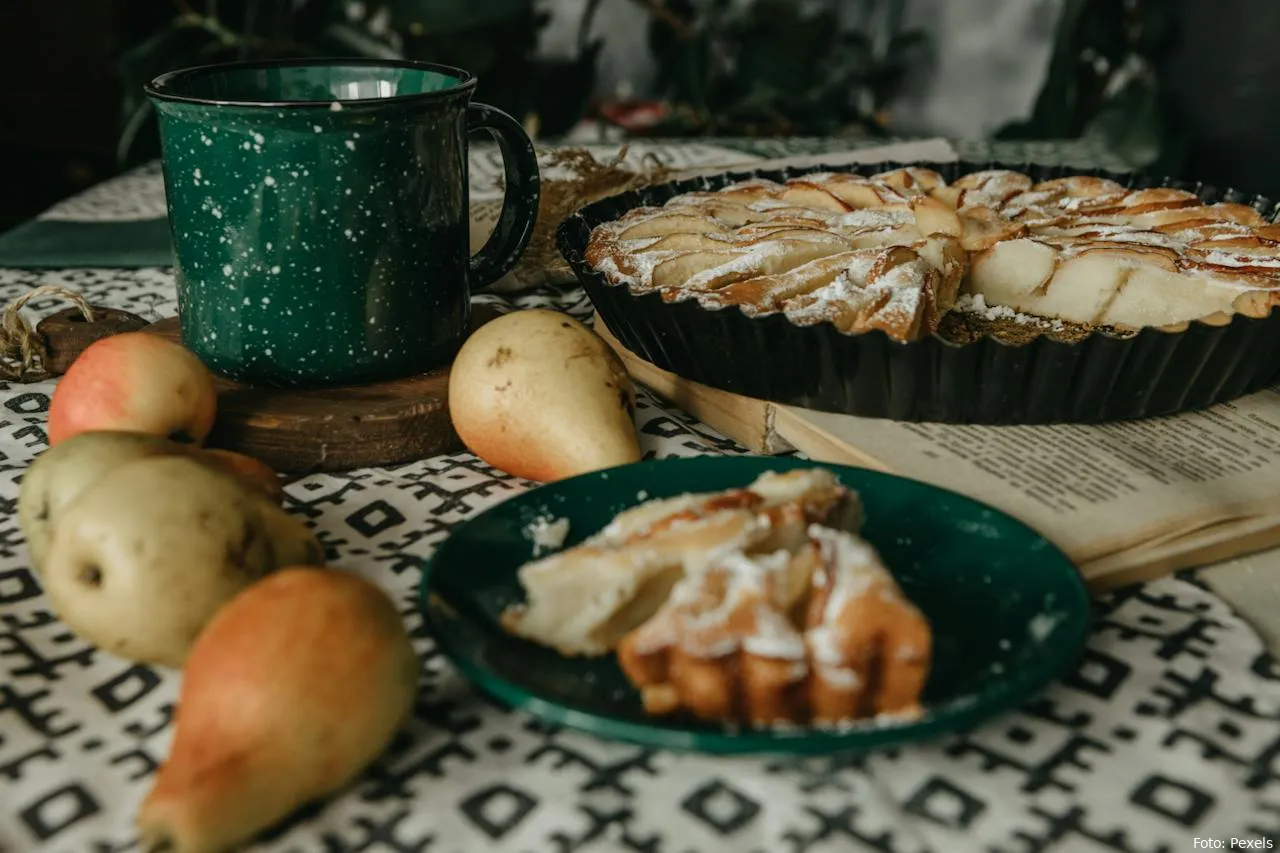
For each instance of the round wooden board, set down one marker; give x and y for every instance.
(300, 432)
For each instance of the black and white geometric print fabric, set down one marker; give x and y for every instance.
(1168, 731)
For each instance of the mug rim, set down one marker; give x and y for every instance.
(158, 87)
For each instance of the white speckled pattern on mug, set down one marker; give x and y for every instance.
(325, 242)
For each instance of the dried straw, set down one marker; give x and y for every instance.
(590, 180)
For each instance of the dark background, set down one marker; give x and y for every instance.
(61, 95)
(1203, 104)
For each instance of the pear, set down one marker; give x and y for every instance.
(63, 471)
(537, 394)
(254, 471)
(295, 687)
(291, 541)
(141, 560)
(135, 381)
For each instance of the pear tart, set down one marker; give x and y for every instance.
(892, 251)
(756, 606)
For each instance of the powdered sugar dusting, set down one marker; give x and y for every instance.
(1113, 233)
(745, 262)
(1221, 258)
(873, 219)
(893, 298)
(547, 533)
(849, 568)
(998, 183)
(700, 622)
(975, 303)
(776, 638)
(852, 566)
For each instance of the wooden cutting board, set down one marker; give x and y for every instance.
(298, 432)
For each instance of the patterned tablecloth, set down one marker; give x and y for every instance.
(1168, 731)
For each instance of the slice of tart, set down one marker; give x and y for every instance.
(821, 635)
(582, 600)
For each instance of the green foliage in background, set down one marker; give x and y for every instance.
(1102, 83)
(775, 68)
(495, 39)
(768, 68)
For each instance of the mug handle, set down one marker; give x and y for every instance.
(520, 197)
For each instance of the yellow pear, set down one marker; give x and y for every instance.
(296, 686)
(537, 394)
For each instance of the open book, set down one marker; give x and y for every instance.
(1126, 501)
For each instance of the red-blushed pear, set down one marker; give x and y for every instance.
(538, 395)
(295, 686)
(138, 382)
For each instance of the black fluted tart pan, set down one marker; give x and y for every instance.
(1103, 376)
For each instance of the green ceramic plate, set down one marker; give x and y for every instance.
(1009, 611)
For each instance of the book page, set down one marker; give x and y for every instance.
(484, 218)
(1094, 490)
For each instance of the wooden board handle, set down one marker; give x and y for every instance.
(33, 355)
(67, 333)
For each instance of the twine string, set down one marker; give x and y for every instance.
(23, 351)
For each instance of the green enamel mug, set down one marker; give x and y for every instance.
(320, 216)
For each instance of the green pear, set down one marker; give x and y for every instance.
(63, 471)
(141, 560)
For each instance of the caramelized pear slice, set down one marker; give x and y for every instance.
(661, 225)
